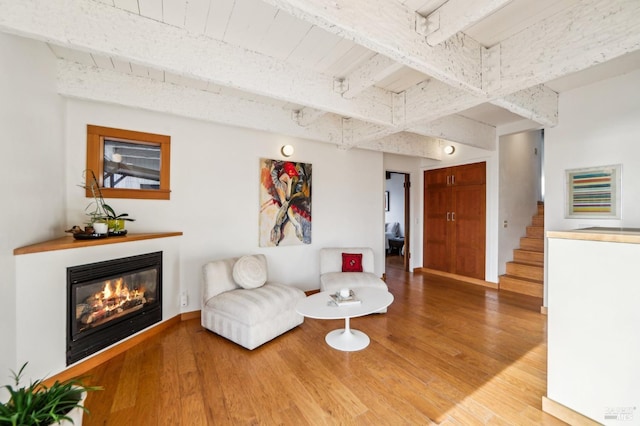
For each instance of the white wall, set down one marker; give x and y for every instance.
(214, 198)
(520, 162)
(395, 186)
(599, 125)
(465, 155)
(31, 176)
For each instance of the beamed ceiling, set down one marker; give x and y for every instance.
(395, 76)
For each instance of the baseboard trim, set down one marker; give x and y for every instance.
(83, 366)
(566, 414)
(185, 316)
(469, 280)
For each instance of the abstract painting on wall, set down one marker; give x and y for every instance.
(285, 203)
(593, 192)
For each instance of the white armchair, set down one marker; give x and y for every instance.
(333, 279)
(239, 304)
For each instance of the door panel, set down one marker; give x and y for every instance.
(469, 234)
(469, 174)
(436, 206)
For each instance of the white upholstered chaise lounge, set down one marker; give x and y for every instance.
(239, 304)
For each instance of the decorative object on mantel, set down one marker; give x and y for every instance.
(104, 221)
(61, 403)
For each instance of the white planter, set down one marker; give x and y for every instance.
(76, 414)
(100, 228)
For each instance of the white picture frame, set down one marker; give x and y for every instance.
(593, 192)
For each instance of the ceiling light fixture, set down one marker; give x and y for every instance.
(287, 150)
(449, 149)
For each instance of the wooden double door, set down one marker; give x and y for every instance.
(455, 220)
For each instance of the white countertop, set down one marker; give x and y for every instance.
(614, 235)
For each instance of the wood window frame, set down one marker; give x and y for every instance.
(95, 156)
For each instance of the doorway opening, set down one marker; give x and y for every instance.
(397, 220)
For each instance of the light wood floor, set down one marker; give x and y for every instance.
(445, 353)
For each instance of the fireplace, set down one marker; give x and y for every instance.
(109, 301)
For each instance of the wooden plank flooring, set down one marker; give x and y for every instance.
(445, 353)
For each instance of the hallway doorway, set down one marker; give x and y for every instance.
(397, 220)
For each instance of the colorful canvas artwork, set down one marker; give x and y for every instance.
(594, 192)
(285, 203)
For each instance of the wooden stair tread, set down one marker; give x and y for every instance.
(525, 270)
(529, 280)
(522, 285)
(527, 262)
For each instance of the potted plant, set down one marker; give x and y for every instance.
(115, 222)
(101, 212)
(38, 404)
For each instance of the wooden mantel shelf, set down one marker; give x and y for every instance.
(69, 242)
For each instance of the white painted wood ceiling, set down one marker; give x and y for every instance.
(397, 76)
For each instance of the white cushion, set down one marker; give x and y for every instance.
(255, 306)
(250, 271)
(218, 278)
(334, 281)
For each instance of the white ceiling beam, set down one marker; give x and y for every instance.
(432, 99)
(407, 144)
(588, 33)
(454, 128)
(538, 103)
(388, 27)
(306, 116)
(97, 84)
(82, 25)
(369, 73)
(457, 15)
(457, 128)
(361, 79)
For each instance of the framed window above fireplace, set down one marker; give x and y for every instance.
(129, 164)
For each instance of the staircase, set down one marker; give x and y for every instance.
(525, 274)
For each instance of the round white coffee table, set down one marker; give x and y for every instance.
(319, 306)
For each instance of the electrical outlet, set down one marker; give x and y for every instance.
(184, 299)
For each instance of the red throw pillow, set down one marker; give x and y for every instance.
(351, 262)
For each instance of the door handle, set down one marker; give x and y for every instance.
(448, 179)
(448, 216)
(453, 216)
(453, 179)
